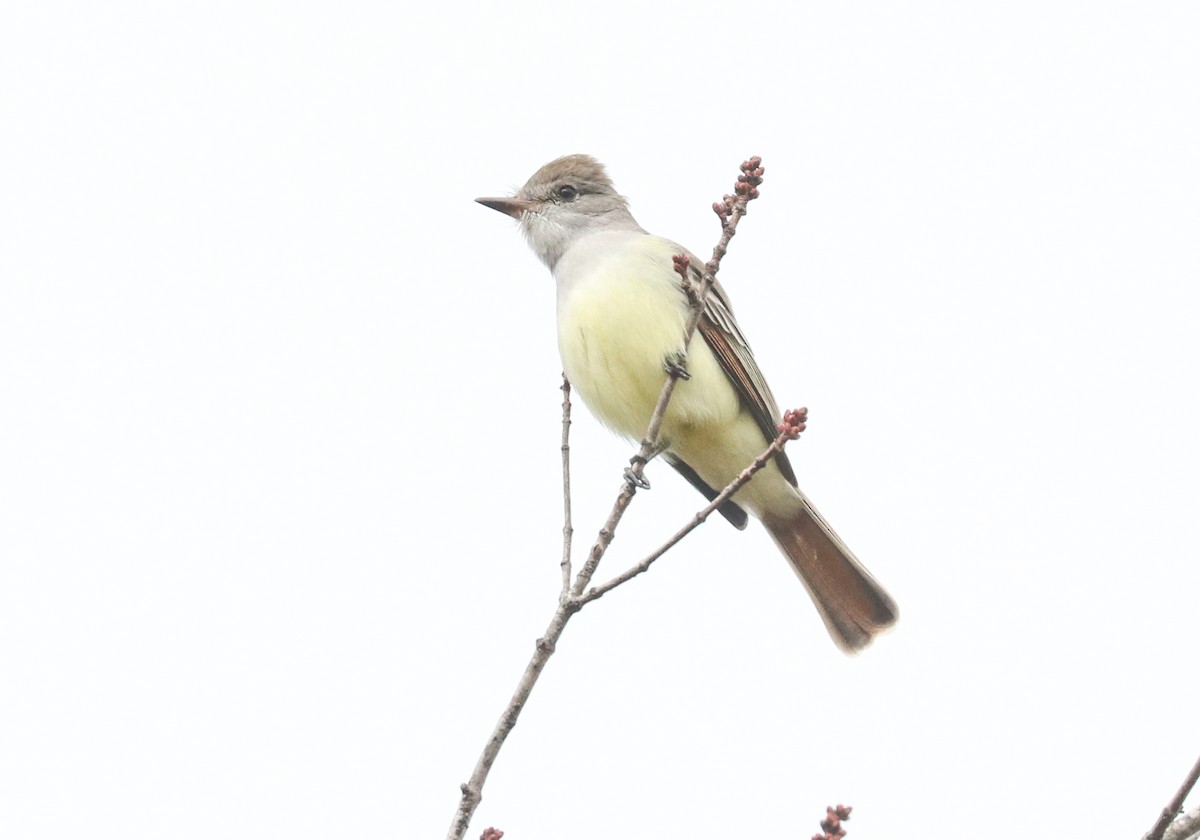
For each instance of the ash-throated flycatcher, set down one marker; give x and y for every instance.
(621, 316)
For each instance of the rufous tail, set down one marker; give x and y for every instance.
(854, 606)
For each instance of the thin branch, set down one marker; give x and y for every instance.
(731, 208)
(1175, 805)
(791, 428)
(568, 530)
(472, 790)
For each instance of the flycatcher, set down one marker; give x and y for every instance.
(621, 316)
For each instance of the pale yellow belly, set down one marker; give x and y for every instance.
(617, 328)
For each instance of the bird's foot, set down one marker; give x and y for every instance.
(635, 480)
(676, 366)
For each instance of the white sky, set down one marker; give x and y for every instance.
(279, 509)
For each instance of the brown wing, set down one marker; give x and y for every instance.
(723, 336)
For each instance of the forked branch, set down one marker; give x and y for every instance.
(793, 424)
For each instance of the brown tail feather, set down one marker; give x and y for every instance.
(854, 606)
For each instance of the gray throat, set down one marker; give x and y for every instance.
(550, 238)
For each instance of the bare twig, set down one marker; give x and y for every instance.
(732, 207)
(569, 600)
(791, 428)
(472, 790)
(1174, 806)
(568, 530)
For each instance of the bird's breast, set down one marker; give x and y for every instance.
(621, 315)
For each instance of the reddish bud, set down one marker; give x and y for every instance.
(681, 265)
(794, 422)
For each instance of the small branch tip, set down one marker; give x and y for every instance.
(831, 826)
(794, 422)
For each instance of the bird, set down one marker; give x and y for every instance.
(621, 310)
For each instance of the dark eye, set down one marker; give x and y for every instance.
(567, 193)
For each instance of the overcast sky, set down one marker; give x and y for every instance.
(279, 419)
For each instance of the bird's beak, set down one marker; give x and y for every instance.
(509, 206)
